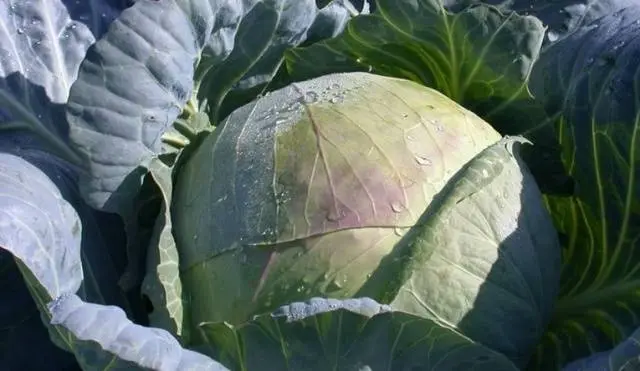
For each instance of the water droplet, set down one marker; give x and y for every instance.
(195, 237)
(334, 86)
(299, 289)
(20, 31)
(590, 61)
(294, 107)
(280, 121)
(336, 99)
(283, 197)
(423, 160)
(618, 45)
(397, 206)
(485, 173)
(399, 231)
(437, 125)
(269, 233)
(405, 115)
(335, 215)
(73, 26)
(409, 137)
(311, 97)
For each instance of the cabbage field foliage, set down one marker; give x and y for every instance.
(320, 185)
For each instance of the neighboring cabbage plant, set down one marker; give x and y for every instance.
(320, 189)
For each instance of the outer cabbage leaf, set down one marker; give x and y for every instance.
(264, 208)
(135, 81)
(624, 357)
(484, 258)
(468, 56)
(162, 284)
(352, 334)
(133, 346)
(562, 17)
(591, 82)
(41, 46)
(22, 329)
(43, 220)
(42, 43)
(43, 232)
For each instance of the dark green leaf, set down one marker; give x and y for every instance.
(562, 17)
(354, 334)
(591, 82)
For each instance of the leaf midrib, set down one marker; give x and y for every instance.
(592, 299)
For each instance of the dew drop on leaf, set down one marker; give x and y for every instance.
(397, 207)
(311, 97)
(335, 215)
(398, 231)
(423, 160)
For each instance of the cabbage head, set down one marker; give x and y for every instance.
(305, 191)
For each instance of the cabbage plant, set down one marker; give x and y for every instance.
(302, 185)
